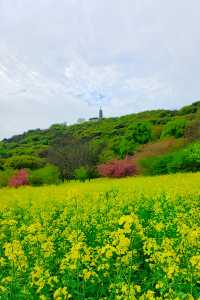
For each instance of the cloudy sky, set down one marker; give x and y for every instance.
(61, 60)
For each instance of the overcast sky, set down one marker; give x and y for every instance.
(62, 59)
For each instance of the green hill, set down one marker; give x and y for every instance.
(134, 135)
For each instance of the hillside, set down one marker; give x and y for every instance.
(139, 135)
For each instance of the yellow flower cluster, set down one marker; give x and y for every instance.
(129, 239)
(15, 253)
(61, 294)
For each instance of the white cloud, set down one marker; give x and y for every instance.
(59, 60)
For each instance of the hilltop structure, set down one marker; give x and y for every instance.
(100, 114)
(95, 119)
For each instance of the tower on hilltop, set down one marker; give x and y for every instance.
(96, 119)
(100, 114)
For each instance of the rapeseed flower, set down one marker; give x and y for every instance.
(140, 240)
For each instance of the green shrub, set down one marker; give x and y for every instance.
(82, 174)
(5, 177)
(126, 147)
(24, 162)
(174, 128)
(189, 109)
(69, 153)
(156, 132)
(187, 160)
(140, 133)
(192, 153)
(120, 147)
(163, 120)
(44, 176)
(177, 163)
(184, 160)
(106, 155)
(3, 153)
(155, 165)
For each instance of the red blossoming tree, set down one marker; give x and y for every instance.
(117, 169)
(19, 179)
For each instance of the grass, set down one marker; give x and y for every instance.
(133, 238)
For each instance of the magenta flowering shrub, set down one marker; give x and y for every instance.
(117, 168)
(19, 179)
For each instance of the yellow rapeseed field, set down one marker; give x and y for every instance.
(134, 238)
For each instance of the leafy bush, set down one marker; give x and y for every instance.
(147, 153)
(140, 132)
(184, 160)
(121, 147)
(45, 176)
(163, 120)
(24, 162)
(19, 179)
(69, 154)
(82, 174)
(5, 177)
(117, 169)
(156, 132)
(187, 160)
(174, 128)
(126, 147)
(189, 109)
(3, 152)
(155, 165)
(192, 154)
(106, 155)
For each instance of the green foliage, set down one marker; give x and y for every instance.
(174, 128)
(106, 155)
(155, 165)
(3, 152)
(69, 154)
(156, 132)
(5, 177)
(24, 162)
(82, 174)
(184, 160)
(178, 163)
(44, 176)
(112, 138)
(140, 133)
(193, 152)
(126, 147)
(189, 109)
